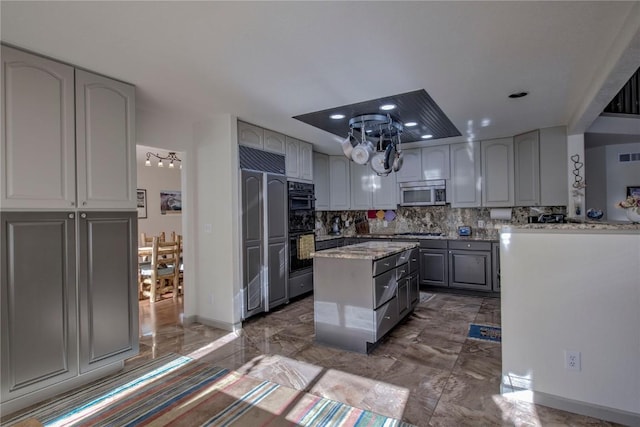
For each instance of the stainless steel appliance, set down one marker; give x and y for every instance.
(301, 237)
(423, 193)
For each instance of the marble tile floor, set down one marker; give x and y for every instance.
(425, 372)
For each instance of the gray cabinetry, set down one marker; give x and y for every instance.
(339, 183)
(470, 265)
(465, 175)
(497, 172)
(435, 162)
(434, 266)
(527, 168)
(329, 244)
(321, 181)
(411, 169)
(495, 266)
(54, 310)
(107, 291)
(39, 313)
(357, 300)
(264, 241)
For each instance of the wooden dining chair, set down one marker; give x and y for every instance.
(145, 240)
(161, 275)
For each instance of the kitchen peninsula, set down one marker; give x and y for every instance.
(362, 291)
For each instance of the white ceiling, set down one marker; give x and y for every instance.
(268, 61)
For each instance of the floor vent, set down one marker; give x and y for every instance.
(629, 157)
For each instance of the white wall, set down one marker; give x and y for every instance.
(154, 179)
(575, 147)
(564, 290)
(596, 179)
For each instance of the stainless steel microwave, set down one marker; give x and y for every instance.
(423, 193)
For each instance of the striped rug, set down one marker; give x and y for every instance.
(175, 390)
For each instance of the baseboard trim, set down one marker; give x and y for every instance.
(231, 327)
(578, 407)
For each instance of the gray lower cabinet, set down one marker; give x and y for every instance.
(434, 265)
(357, 301)
(60, 320)
(470, 265)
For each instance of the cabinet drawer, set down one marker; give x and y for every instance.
(384, 287)
(404, 257)
(414, 260)
(386, 318)
(471, 246)
(402, 271)
(433, 244)
(328, 244)
(384, 264)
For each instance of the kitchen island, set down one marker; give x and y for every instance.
(362, 291)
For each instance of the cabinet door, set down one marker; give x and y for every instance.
(38, 137)
(465, 175)
(277, 268)
(252, 136)
(361, 186)
(404, 303)
(321, 181)
(38, 305)
(497, 172)
(553, 166)
(273, 141)
(339, 183)
(435, 162)
(385, 191)
(434, 267)
(252, 241)
(470, 269)
(305, 162)
(495, 268)
(292, 157)
(527, 168)
(411, 169)
(414, 291)
(107, 288)
(105, 143)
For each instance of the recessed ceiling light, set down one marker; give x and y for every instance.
(429, 136)
(337, 116)
(518, 94)
(410, 124)
(387, 107)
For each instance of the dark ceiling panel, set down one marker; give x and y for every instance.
(414, 106)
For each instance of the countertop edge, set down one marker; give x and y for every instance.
(345, 253)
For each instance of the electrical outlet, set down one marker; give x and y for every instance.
(480, 224)
(572, 360)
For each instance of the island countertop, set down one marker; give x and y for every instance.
(366, 250)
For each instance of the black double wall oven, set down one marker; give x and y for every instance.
(302, 219)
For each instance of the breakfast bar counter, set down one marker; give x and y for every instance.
(362, 291)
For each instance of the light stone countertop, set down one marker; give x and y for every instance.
(366, 250)
(326, 237)
(622, 227)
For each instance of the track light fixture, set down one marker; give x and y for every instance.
(171, 157)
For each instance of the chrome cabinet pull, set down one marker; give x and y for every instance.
(71, 216)
(83, 215)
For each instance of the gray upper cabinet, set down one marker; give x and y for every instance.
(465, 189)
(274, 142)
(105, 141)
(86, 142)
(292, 156)
(39, 314)
(321, 181)
(435, 162)
(411, 169)
(306, 161)
(250, 135)
(38, 140)
(527, 169)
(497, 172)
(107, 288)
(553, 166)
(339, 183)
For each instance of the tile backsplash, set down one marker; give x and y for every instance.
(436, 219)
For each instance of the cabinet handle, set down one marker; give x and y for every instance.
(386, 264)
(386, 286)
(83, 215)
(73, 203)
(84, 203)
(468, 245)
(387, 317)
(71, 216)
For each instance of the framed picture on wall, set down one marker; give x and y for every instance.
(141, 197)
(633, 191)
(170, 201)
